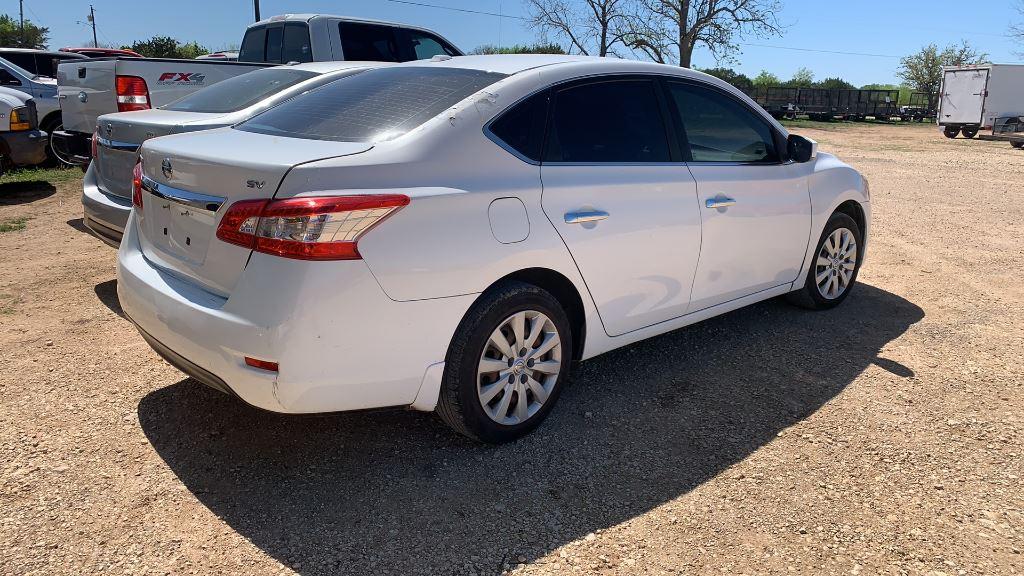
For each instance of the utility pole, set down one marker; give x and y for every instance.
(21, 14)
(256, 8)
(92, 20)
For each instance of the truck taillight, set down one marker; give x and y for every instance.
(318, 228)
(137, 185)
(132, 94)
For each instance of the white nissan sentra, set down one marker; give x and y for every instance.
(453, 235)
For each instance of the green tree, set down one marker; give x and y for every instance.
(541, 48)
(835, 84)
(733, 77)
(922, 71)
(11, 35)
(166, 47)
(802, 78)
(766, 78)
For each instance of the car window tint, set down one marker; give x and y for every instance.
(521, 127)
(613, 121)
(274, 36)
(373, 105)
(371, 42)
(241, 91)
(425, 46)
(24, 59)
(252, 45)
(296, 44)
(719, 128)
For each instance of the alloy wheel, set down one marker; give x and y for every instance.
(519, 367)
(837, 260)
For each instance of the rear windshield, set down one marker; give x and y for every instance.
(375, 105)
(241, 91)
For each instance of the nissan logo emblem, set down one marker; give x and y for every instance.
(165, 167)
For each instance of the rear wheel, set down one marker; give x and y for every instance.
(1017, 144)
(970, 132)
(835, 267)
(56, 154)
(506, 365)
(950, 131)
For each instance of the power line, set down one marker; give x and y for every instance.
(453, 9)
(822, 51)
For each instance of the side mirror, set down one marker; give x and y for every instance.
(801, 149)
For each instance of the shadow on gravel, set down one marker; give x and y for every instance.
(14, 193)
(107, 293)
(396, 492)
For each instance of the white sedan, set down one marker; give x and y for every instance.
(454, 234)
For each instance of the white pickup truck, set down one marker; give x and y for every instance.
(91, 88)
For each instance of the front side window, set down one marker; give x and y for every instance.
(24, 59)
(425, 46)
(521, 127)
(241, 91)
(719, 128)
(616, 121)
(253, 44)
(371, 42)
(371, 106)
(296, 47)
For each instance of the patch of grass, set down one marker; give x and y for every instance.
(8, 303)
(13, 224)
(52, 175)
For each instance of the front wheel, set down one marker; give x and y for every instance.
(969, 132)
(950, 131)
(836, 264)
(506, 364)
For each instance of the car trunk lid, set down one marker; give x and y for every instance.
(191, 180)
(121, 134)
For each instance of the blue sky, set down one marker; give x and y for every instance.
(879, 27)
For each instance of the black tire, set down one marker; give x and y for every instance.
(1017, 144)
(809, 296)
(54, 157)
(969, 132)
(459, 405)
(950, 131)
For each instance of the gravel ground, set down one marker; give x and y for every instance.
(881, 437)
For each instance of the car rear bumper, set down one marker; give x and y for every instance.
(105, 214)
(25, 148)
(340, 342)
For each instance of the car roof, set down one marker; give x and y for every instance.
(334, 66)
(36, 51)
(308, 17)
(515, 63)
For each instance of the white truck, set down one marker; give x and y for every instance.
(21, 141)
(973, 97)
(91, 88)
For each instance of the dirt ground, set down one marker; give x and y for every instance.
(885, 436)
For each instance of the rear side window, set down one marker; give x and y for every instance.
(371, 106)
(296, 46)
(241, 91)
(253, 44)
(372, 42)
(616, 121)
(521, 127)
(720, 129)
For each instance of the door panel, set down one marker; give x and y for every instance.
(759, 241)
(638, 263)
(963, 96)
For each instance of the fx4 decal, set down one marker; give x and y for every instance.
(179, 78)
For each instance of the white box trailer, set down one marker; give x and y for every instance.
(972, 97)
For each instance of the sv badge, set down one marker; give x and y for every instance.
(255, 183)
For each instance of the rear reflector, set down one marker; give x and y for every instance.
(317, 228)
(261, 364)
(137, 185)
(95, 142)
(132, 94)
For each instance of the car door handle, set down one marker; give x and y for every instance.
(587, 216)
(719, 202)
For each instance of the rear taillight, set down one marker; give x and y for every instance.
(132, 94)
(95, 142)
(320, 228)
(137, 185)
